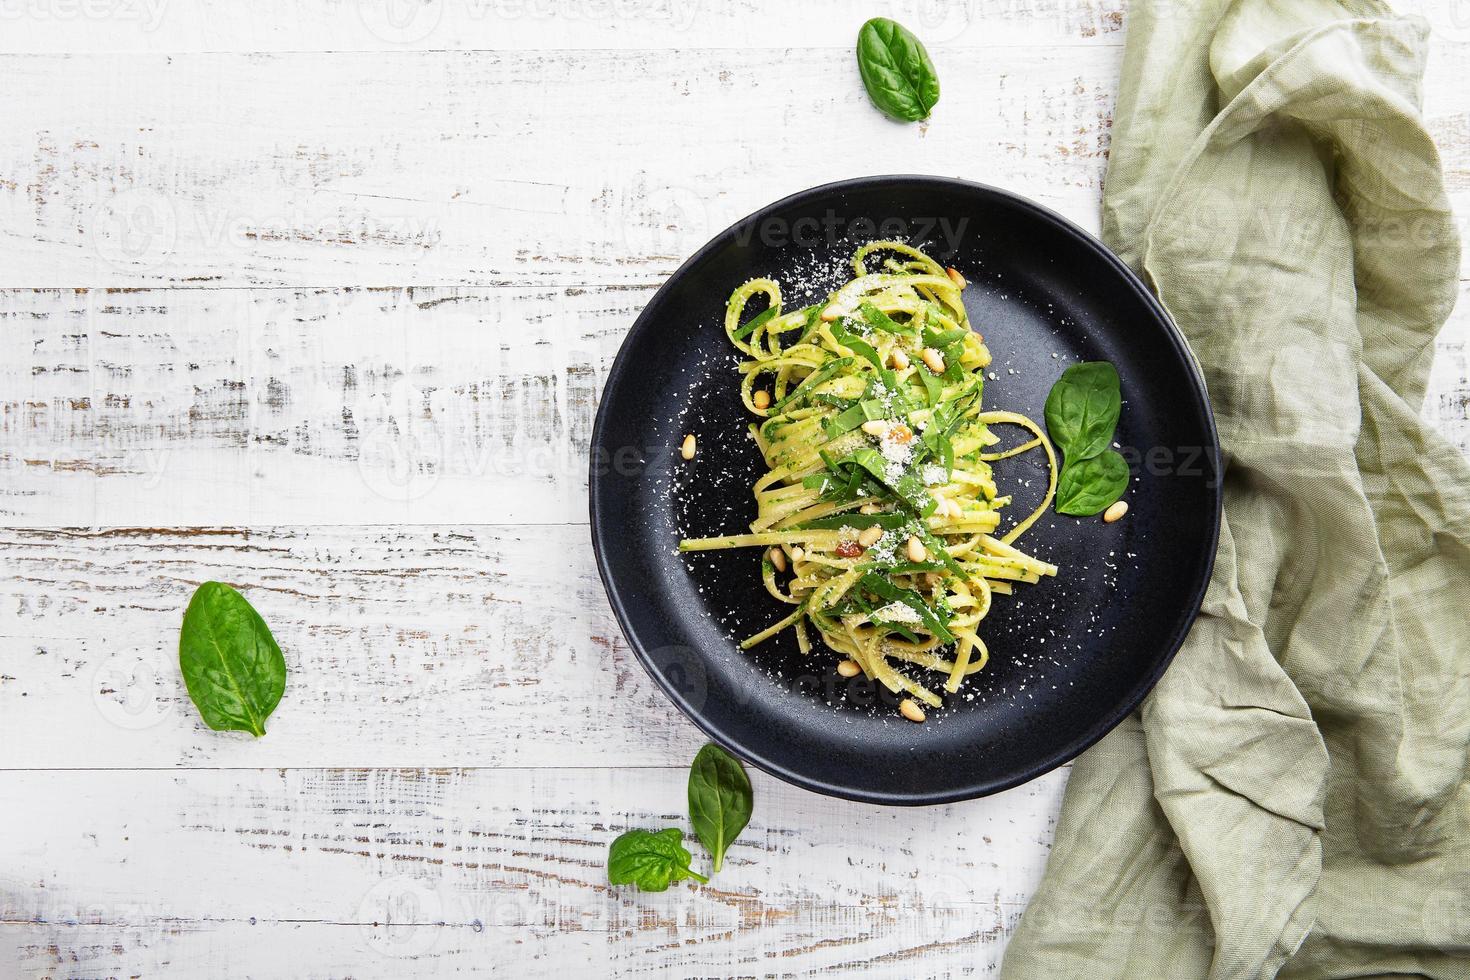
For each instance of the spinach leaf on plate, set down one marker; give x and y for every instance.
(896, 70)
(1082, 409)
(231, 664)
(1088, 486)
(720, 800)
(652, 861)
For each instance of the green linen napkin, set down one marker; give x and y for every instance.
(1292, 798)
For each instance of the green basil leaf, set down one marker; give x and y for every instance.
(953, 372)
(817, 377)
(932, 388)
(867, 410)
(934, 622)
(1082, 409)
(652, 861)
(898, 628)
(879, 320)
(231, 664)
(896, 70)
(907, 488)
(857, 345)
(888, 520)
(944, 338)
(813, 321)
(720, 800)
(936, 548)
(1088, 486)
(755, 322)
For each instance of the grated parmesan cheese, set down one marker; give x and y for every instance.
(897, 612)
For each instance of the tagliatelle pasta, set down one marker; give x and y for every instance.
(879, 508)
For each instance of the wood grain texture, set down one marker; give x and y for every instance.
(110, 26)
(191, 407)
(318, 298)
(325, 169)
(409, 873)
(199, 407)
(407, 646)
(496, 168)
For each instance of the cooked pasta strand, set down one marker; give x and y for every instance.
(879, 493)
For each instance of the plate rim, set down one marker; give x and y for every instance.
(982, 788)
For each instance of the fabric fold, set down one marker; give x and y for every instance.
(1272, 180)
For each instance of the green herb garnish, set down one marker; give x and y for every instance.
(720, 800)
(232, 667)
(896, 70)
(652, 861)
(720, 804)
(1082, 409)
(1081, 413)
(1089, 486)
(755, 322)
(884, 589)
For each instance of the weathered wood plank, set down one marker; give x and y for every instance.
(312, 169)
(197, 407)
(525, 166)
(491, 168)
(110, 26)
(136, 871)
(471, 646)
(189, 407)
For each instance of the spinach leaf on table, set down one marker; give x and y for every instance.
(1089, 486)
(652, 861)
(231, 664)
(896, 70)
(1082, 409)
(720, 800)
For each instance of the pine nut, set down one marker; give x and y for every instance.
(778, 559)
(869, 509)
(1116, 511)
(798, 553)
(876, 427)
(910, 709)
(687, 450)
(956, 278)
(849, 668)
(934, 360)
(869, 536)
(916, 548)
(899, 358)
(761, 399)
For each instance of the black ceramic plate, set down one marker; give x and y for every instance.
(1070, 657)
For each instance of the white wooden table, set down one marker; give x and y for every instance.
(318, 299)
